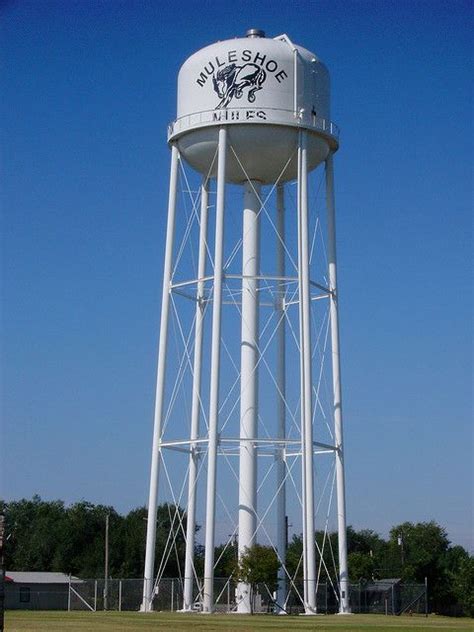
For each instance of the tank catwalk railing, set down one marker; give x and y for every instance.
(236, 115)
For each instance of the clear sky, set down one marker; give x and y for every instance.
(87, 91)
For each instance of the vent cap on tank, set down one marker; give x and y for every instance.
(255, 33)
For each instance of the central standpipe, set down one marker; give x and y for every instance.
(306, 403)
(249, 382)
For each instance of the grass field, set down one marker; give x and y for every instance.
(21, 621)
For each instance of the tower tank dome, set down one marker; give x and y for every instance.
(265, 90)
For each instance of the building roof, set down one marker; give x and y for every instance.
(33, 577)
(382, 585)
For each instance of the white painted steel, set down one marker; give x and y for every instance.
(208, 598)
(264, 90)
(279, 117)
(273, 63)
(306, 405)
(344, 607)
(196, 403)
(281, 535)
(249, 382)
(277, 147)
(160, 388)
(301, 359)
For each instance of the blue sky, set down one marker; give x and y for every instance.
(88, 89)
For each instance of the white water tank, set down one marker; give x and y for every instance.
(265, 90)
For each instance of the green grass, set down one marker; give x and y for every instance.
(20, 621)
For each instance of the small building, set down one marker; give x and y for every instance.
(382, 596)
(37, 590)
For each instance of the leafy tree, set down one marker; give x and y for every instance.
(132, 538)
(328, 545)
(33, 528)
(170, 538)
(361, 566)
(170, 543)
(367, 554)
(420, 550)
(258, 565)
(199, 552)
(48, 536)
(365, 541)
(463, 585)
(294, 557)
(226, 559)
(325, 543)
(81, 551)
(459, 566)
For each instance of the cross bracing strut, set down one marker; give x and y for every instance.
(277, 292)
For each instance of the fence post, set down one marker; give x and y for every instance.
(228, 595)
(172, 595)
(95, 596)
(426, 596)
(106, 564)
(120, 596)
(69, 595)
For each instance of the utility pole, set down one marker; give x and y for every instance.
(402, 549)
(106, 564)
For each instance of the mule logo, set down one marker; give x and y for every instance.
(230, 82)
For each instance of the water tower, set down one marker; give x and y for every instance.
(242, 390)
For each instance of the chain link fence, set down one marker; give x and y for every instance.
(390, 597)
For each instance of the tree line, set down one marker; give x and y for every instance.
(50, 536)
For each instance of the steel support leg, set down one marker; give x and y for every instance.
(160, 389)
(196, 404)
(281, 537)
(208, 602)
(344, 607)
